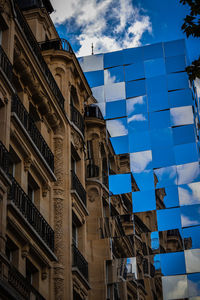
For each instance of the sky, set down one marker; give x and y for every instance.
(117, 24)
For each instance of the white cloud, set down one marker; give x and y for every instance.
(138, 118)
(116, 128)
(174, 287)
(139, 161)
(109, 24)
(131, 104)
(186, 221)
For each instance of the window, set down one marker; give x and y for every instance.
(89, 150)
(32, 274)
(74, 235)
(12, 252)
(73, 164)
(33, 189)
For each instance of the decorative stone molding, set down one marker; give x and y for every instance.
(93, 194)
(45, 189)
(44, 274)
(2, 5)
(27, 163)
(25, 251)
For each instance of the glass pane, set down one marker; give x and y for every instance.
(172, 263)
(175, 63)
(190, 215)
(188, 173)
(98, 93)
(191, 237)
(168, 219)
(159, 119)
(135, 88)
(194, 284)
(185, 153)
(144, 180)
(120, 184)
(132, 55)
(117, 127)
(161, 137)
(192, 260)
(136, 105)
(141, 161)
(158, 101)
(174, 48)
(113, 75)
(171, 241)
(181, 116)
(134, 71)
(144, 201)
(138, 122)
(115, 109)
(120, 144)
(139, 141)
(175, 287)
(95, 78)
(165, 176)
(163, 157)
(153, 51)
(115, 91)
(180, 98)
(154, 67)
(91, 63)
(156, 85)
(183, 134)
(168, 196)
(177, 81)
(113, 59)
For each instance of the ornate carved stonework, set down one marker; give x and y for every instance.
(93, 194)
(2, 5)
(45, 189)
(27, 163)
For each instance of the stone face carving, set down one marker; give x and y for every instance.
(93, 194)
(27, 163)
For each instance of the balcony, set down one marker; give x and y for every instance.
(31, 213)
(79, 262)
(4, 157)
(93, 111)
(31, 4)
(18, 283)
(56, 44)
(92, 171)
(77, 186)
(5, 64)
(37, 51)
(30, 127)
(77, 119)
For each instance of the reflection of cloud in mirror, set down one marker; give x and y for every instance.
(181, 115)
(138, 117)
(139, 161)
(166, 174)
(131, 103)
(186, 221)
(189, 194)
(194, 289)
(187, 172)
(116, 128)
(98, 93)
(175, 287)
(131, 266)
(192, 260)
(108, 79)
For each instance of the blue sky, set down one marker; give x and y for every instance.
(116, 24)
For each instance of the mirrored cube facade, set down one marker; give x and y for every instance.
(152, 118)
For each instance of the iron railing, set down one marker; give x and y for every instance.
(92, 171)
(80, 262)
(30, 4)
(77, 186)
(77, 119)
(31, 213)
(93, 111)
(4, 157)
(29, 125)
(56, 44)
(5, 64)
(37, 51)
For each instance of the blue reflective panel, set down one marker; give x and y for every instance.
(138, 122)
(141, 161)
(177, 81)
(159, 119)
(153, 51)
(154, 67)
(163, 157)
(134, 71)
(165, 177)
(191, 237)
(135, 88)
(144, 180)
(95, 78)
(181, 116)
(185, 153)
(169, 196)
(113, 75)
(161, 137)
(158, 101)
(190, 215)
(175, 63)
(172, 263)
(102, 107)
(98, 93)
(136, 105)
(168, 219)
(189, 193)
(115, 91)
(192, 260)
(115, 109)
(117, 127)
(144, 201)
(175, 287)
(139, 141)
(183, 134)
(91, 62)
(188, 173)
(174, 48)
(132, 55)
(120, 144)
(154, 240)
(120, 184)
(113, 59)
(194, 285)
(156, 85)
(180, 98)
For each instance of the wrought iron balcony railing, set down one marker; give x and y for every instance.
(77, 119)
(93, 111)
(31, 213)
(29, 125)
(5, 64)
(27, 4)
(37, 51)
(77, 186)
(92, 171)
(56, 44)
(80, 262)
(4, 157)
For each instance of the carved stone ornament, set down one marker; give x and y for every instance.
(2, 5)
(93, 194)
(27, 163)
(25, 251)
(45, 189)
